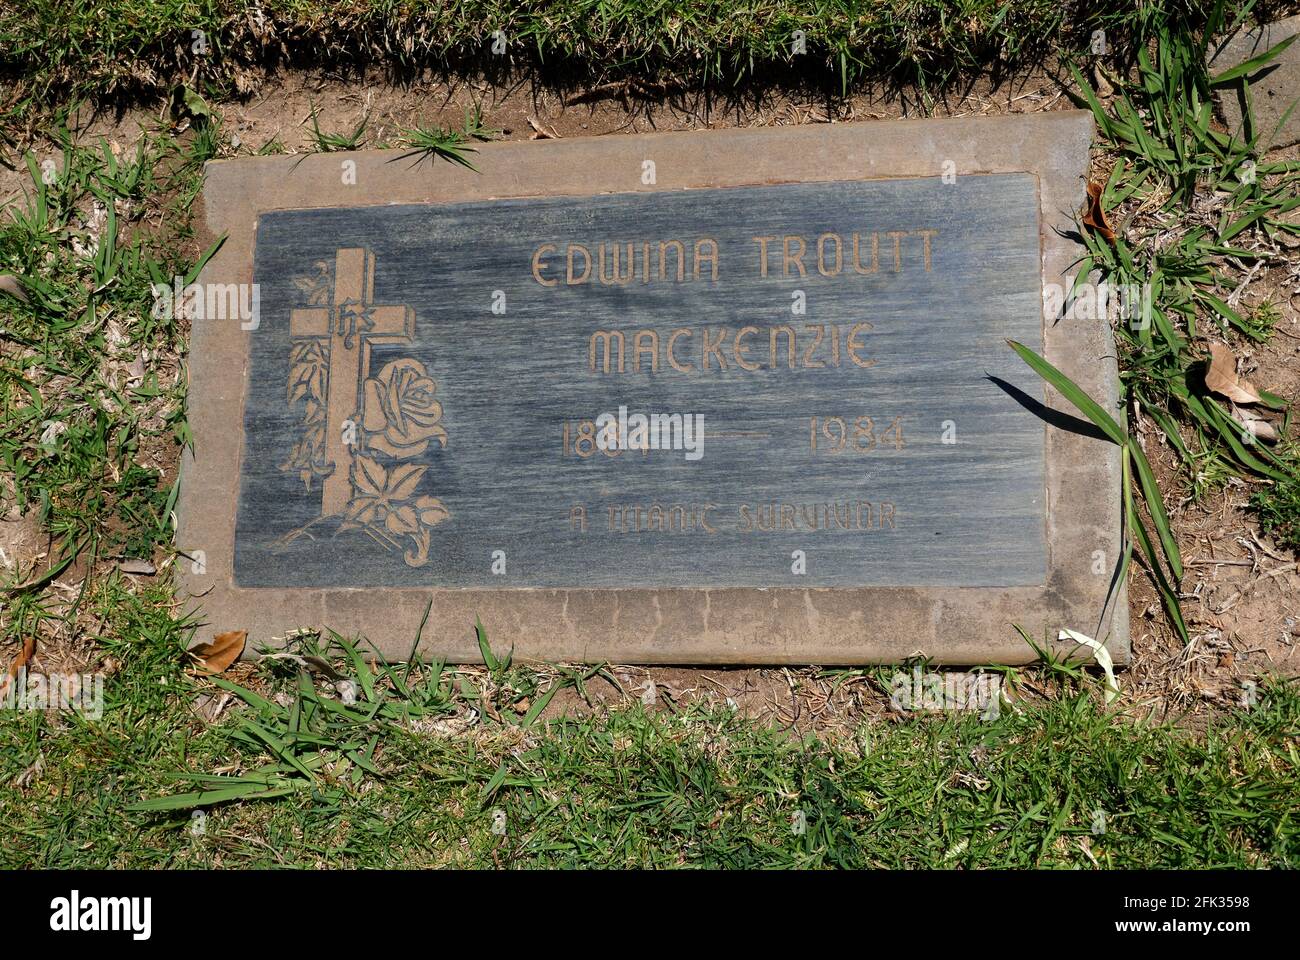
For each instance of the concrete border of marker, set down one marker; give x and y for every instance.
(678, 625)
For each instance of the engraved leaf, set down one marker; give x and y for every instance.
(404, 480)
(300, 384)
(306, 372)
(402, 520)
(360, 512)
(317, 288)
(370, 477)
(318, 382)
(431, 511)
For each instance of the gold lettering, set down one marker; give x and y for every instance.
(762, 254)
(821, 255)
(714, 349)
(607, 337)
(663, 259)
(638, 348)
(807, 354)
(615, 277)
(925, 241)
(704, 517)
(537, 265)
(797, 259)
(875, 254)
(739, 352)
(774, 332)
(898, 236)
(854, 346)
(700, 256)
(672, 357)
(586, 266)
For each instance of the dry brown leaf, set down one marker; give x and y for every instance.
(224, 650)
(1221, 377)
(542, 133)
(20, 661)
(1100, 82)
(9, 284)
(1094, 216)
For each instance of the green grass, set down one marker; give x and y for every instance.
(1278, 506)
(326, 142)
(1169, 161)
(91, 393)
(454, 146)
(60, 49)
(377, 784)
(93, 418)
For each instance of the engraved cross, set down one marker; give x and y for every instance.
(351, 323)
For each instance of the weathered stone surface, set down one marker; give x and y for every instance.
(1272, 90)
(467, 455)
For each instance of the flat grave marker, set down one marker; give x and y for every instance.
(726, 397)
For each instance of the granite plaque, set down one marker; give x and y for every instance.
(756, 407)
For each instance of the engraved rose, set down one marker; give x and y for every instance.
(401, 415)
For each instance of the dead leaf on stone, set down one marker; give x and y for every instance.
(9, 284)
(224, 650)
(1221, 377)
(1093, 215)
